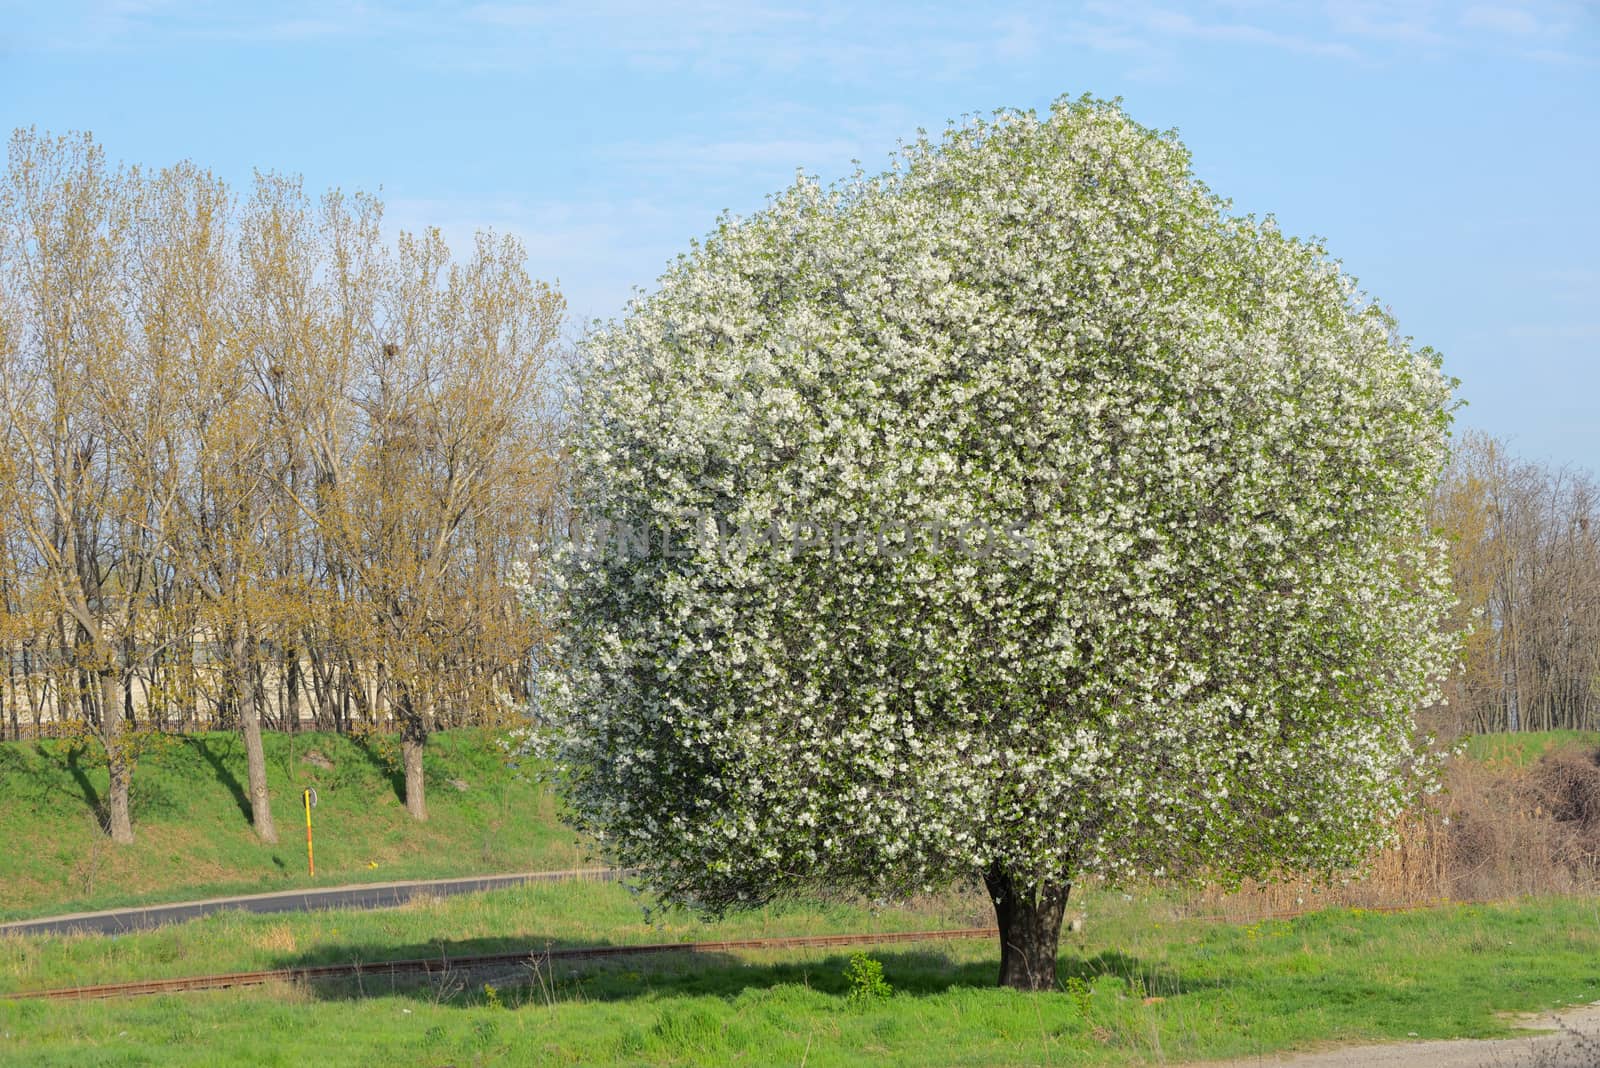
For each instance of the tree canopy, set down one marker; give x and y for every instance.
(1020, 512)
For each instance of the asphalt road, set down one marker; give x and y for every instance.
(359, 896)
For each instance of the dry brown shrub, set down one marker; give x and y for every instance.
(1496, 831)
(1569, 782)
(1568, 786)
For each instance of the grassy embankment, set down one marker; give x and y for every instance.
(1522, 749)
(192, 827)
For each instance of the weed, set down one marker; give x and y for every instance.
(867, 986)
(1078, 990)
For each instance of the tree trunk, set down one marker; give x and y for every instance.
(291, 678)
(244, 696)
(10, 698)
(119, 815)
(411, 742)
(415, 721)
(355, 690)
(323, 692)
(37, 696)
(128, 658)
(1029, 918)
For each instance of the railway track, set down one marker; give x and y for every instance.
(426, 966)
(430, 966)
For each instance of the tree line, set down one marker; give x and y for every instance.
(259, 462)
(1524, 542)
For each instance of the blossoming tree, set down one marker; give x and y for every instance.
(1017, 514)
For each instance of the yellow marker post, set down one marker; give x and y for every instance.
(310, 796)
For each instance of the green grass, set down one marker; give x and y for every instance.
(1526, 747)
(1220, 991)
(193, 835)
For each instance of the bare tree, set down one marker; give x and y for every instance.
(64, 232)
(1526, 561)
(437, 445)
(223, 438)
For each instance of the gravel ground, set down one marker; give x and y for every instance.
(1569, 1039)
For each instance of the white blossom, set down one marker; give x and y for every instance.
(1203, 647)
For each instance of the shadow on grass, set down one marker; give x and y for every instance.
(207, 747)
(91, 796)
(915, 973)
(33, 775)
(387, 769)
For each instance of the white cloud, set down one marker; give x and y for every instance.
(1018, 37)
(1500, 19)
(1136, 27)
(1374, 20)
(700, 156)
(1555, 332)
(595, 251)
(1366, 31)
(1182, 24)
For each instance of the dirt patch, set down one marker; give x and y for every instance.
(1569, 1039)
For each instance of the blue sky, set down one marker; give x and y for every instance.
(1449, 153)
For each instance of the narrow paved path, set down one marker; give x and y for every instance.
(1568, 1039)
(310, 899)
